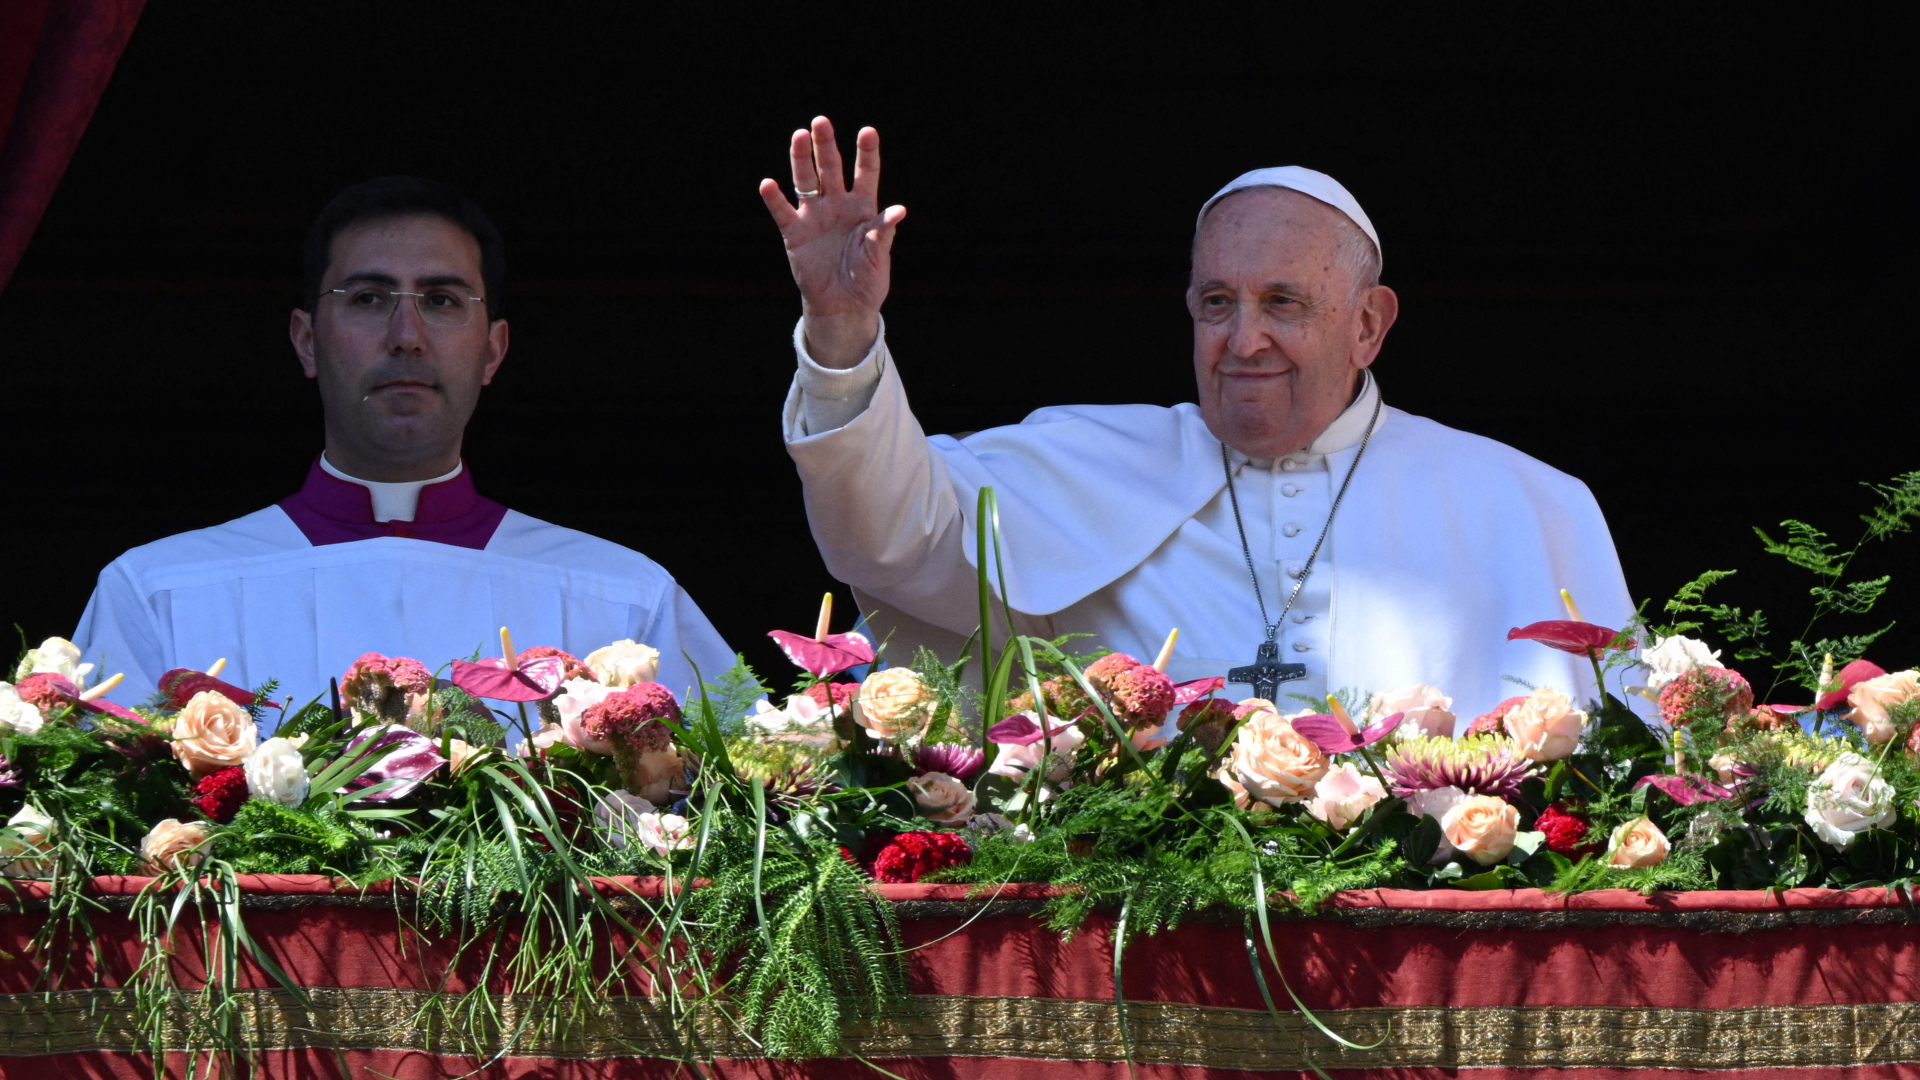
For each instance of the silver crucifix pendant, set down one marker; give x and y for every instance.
(1266, 673)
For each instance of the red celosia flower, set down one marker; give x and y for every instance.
(47, 692)
(1566, 833)
(575, 669)
(1141, 694)
(631, 716)
(1495, 722)
(913, 855)
(843, 692)
(1101, 671)
(382, 685)
(218, 795)
(1704, 688)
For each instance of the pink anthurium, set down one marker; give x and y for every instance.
(65, 689)
(1850, 676)
(824, 655)
(180, 684)
(1021, 729)
(1578, 638)
(529, 680)
(1187, 693)
(1332, 737)
(1685, 790)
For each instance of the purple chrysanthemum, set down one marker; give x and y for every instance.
(955, 759)
(1477, 765)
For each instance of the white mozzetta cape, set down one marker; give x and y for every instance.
(257, 591)
(1115, 522)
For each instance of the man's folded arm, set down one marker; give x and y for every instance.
(878, 498)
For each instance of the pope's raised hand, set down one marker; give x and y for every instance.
(837, 241)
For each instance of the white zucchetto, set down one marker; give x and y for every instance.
(1317, 185)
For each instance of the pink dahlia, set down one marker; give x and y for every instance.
(1495, 721)
(911, 856)
(1707, 691)
(632, 715)
(1477, 765)
(388, 687)
(956, 760)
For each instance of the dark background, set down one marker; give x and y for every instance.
(1673, 260)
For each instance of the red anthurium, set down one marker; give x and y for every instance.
(1686, 790)
(181, 684)
(1578, 638)
(1332, 737)
(1187, 693)
(1020, 730)
(826, 656)
(530, 680)
(1850, 676)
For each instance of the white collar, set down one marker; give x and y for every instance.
(1344, 433)
(391, 502)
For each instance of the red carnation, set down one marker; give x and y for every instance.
(574, 668)
(631, 716)
(843, 692)
(913, 855)
(1495, 722)
(218, 795)
(1716, 689)
(1566, 833)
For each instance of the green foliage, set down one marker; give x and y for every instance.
(951, 698)
(731, 696)
(265, 838)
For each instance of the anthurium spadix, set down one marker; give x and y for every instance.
(824, 655)
(507, 677)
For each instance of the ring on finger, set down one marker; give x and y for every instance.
(807, 194)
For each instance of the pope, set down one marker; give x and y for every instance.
(388, 546)
(1301, 533)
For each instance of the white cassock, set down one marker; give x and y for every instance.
(1115, 521)
(297, 591)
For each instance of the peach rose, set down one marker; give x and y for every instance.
(943, 799)
(893, 705)
(1481, 827)
(624, 663)
(1546, 725)
(461, 755)
(1637, 843)
(1425, 708)
(1272, 762)
(1341, 796)
(170, 841)
(212, 733)
(30, 854)
(1872, 699)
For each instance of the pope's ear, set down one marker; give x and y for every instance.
(300, 331)
(1377, 313)
(496, 350)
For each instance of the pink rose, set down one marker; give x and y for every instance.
(943, 799)
(1873, 698)
(172, 841)
(1481, 827)
(1422, 706)
(212, 733)
(1546, 726)
(1637, 843)
(1272, 762)
(1341, 796)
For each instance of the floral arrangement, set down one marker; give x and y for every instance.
(502, 790)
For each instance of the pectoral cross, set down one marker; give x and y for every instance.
(1266, 673)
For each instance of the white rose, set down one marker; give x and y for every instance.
(1435, 804)
(1341, 796)
(624, 663)
(943, 799)
(1546, 725)
(35, 838)
(618, 813)
(1847, 799)
(664, 832)
(18, 716)
(1673, 657)
(802, 715)
(55, 655)
(276, 773)
(1426, 710)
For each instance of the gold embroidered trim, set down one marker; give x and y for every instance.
(1202, 1036)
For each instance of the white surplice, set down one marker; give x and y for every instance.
(1115, 521)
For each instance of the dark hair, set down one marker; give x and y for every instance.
(401, 196)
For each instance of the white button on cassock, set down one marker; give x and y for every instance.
(1289, 465)
(1289, 490)
(1294, 570)
(1301, 646)
(1291, 529)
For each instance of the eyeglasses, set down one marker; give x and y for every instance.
(369, 302)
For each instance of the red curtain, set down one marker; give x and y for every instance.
(55, 59)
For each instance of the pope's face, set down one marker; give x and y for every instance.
(1280, 334)
(398, 391)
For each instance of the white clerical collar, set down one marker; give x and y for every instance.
(391, 502)
(1344, 433)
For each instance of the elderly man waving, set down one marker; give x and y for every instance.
(1291, 524)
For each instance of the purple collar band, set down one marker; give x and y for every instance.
(330, 510)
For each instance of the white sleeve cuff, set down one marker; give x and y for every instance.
(830, 398)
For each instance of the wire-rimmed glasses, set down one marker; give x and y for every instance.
(372, 302)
